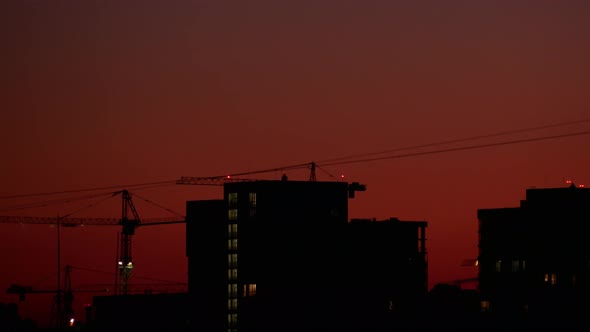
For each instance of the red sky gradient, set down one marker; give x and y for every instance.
(100, 93)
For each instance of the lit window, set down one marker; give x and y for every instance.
(252, 199)
(232, 274)
(485, 306)
(232, 214)
(232, 230)
(232, 304)
(499, 265)
(515, 265)
(232, 320)
(232, 260)
(232, 244)
(249, 290)
(232, 290)
(523, 265)
(232, 200)
(550, 278)
(252, 289)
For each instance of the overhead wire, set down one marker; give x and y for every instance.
(349, 159)
(462, 148)
(459, 140)
(52, 202)
(89, 189)
(135, 277)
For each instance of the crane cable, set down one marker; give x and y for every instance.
(158, 205)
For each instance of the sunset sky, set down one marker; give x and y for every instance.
(104, 93)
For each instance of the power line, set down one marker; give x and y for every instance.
(343, 160)
(458, 140)
(135, 277)
(471, 147)
(90, 189)
(33, 205)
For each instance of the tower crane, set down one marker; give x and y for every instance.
(128, 223)
(221, 180)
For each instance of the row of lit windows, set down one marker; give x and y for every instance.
(247, 290)
(232, 200)
(517, 265)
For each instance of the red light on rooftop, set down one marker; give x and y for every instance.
(342, 176)
(228, 177)
(568, 181)
(581, 186)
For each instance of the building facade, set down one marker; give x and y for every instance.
(534, 260)
(283, 256)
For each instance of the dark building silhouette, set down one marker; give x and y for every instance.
(386, 271)
(141, 312)
(281, 255)
(206, 252)
(450, 308)
(534, 260)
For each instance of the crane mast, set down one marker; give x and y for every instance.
(129, 225)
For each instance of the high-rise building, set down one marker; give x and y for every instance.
(281, 253)
(534, 260)
(282, 256)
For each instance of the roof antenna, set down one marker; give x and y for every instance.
(312, 173)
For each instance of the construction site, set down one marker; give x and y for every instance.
(107, 303)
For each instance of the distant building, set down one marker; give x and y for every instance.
(387, 271)
(285, 258)
(534, 260)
